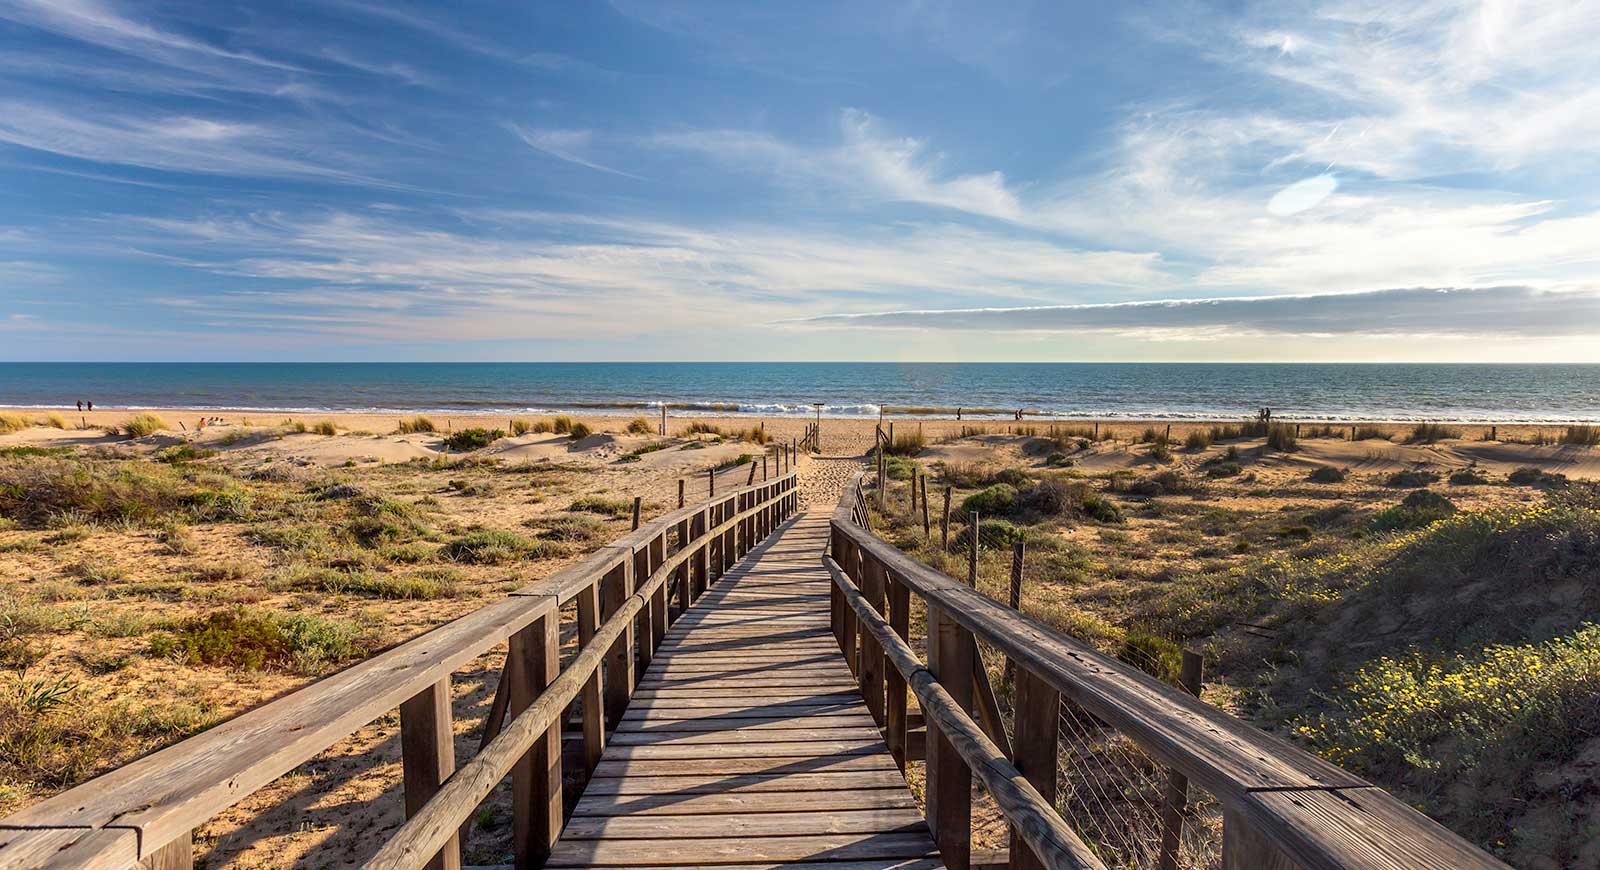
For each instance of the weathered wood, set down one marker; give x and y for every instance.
(594, 724)
(1036, 719)
(870, 675)
(899, 602)
(949, 794)
(179, 855)
(1245, 848)
(1014, 600)
(615, 588)
(926, 532)
(1177, 784)
(428, 756)
(944, 523)
(536, 777)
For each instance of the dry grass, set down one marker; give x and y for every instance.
(140, 425)
(410, 425)
(325, 427)
(14, 423)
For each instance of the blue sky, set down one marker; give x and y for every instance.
(348, 179)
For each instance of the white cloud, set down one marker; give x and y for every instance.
(569, 145)
(1496, 312)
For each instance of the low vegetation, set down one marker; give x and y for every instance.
(410, 425)
(140, 425)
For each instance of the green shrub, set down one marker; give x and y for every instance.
(1050, 498)
(1411, 477)
(1156, 655)
(907, 444)
(1528, 475)
(993, 534)
(1163, 483)
(1326, 474)
(1224, 469)
(476, 438)
(1000, 498)
(1468, 477)
(140, 425)
(1059, 460)
(1100, 508)
(1417, 509)
(411, 425)
(575, 529)
(250, 639)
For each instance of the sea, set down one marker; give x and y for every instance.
(1499, 393)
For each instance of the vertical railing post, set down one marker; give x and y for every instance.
(615, 588)
(1035, 723)
(1015, 600)
(657, 554)
(645, 621)
(536, 777)
(1189, 678)
(179, 855)
(872, 662)
(594, 721)
(701, 575)
(949, 790)
(681, 576)
(428, 756)
(894, 715)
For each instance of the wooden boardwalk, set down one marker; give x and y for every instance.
(747, 743)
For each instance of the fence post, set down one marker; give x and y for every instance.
(536, 778)
(636, 501)
(702, 556)
(428, 755)
(949, 789)
(872, 662)
(645, 620)
(752, 478)
(1189, 679)
(594, 722)
(680, 492)
(1036, 719)
(615, 588)
(711, 482)
(944, 524)
(657, 550)
(974, 525)
(925, 529)
(1015, 600)
(894, 714)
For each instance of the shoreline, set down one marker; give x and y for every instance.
(728, 411)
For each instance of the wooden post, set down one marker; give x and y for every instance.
(752, 478)
(763, 466)
(944, 524)
(680, 491)
(1169, 432)
(1244, 848)
(1494, 432)
(1037, 716)
(645, 620)
(925, 529)
(1097, 431)
(428, 755)
(872, 662)
(536, 777)
(701, 575)
(594, 720)
(636, 501)
(179, 854)
(615, 588)
(1015, 600)
(657, 550)
(894, 713)
(974, 525)
(711, 482)
(663, 419)
(949, 780)
(1189, 679)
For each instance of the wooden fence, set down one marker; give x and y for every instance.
(1282, 808)
(144, 813)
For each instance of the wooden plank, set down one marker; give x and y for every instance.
(740, 824)
(620, 767)
(949, 793)
(1036, 721)
(729, 783)
(536, 777)
(428, 755)
(723, 801)
(702, 852)
(594, 725)
(741, 736)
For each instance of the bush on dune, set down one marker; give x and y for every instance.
(640, 426)
(411, 425)
(140, 425)
(475, 438)
(13, 423)
(997, 499)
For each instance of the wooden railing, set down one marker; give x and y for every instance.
(1282, 808)
(145, 812)
(811, 441)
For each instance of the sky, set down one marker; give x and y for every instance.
(658, 180)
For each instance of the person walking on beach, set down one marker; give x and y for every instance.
(91, 406)
(80, 405)
(958, 413)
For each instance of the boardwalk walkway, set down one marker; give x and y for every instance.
(747, 743)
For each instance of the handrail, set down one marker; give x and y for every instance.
(1280, 803)
(432, 827)
(153, 803)
(1035, 818)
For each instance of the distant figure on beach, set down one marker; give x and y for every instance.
(1019, 413)
(958, 413)
(91, 406)
(80, 405)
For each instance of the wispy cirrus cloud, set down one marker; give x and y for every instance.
(1500, 312)
(569, 145)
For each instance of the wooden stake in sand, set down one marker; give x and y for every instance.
(636, 501)
(925, 507)
(681, 482)
(711, 482)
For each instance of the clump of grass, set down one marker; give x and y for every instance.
(1418, 509)
(14, 423)
(997, 499)
(907, 443)
(1528, 475)
(140, 425)
(1326, 474)
(1160, 452)
(325, 427)
(640, 426)
(251, 639)
(1581, 435)
(1155, 654)
(1367, 433)
(35, 490)
(1281, 437)
(411, 425)
(1224, 469)
(572, 528)
(96, 571)
(1101, 509)
(519, 426)
(55, 421)
(1428, 433)
(1411, 478)
(635, 454)
(993, 534)
(1197, 439)
(495, 547)
(561, 424)
(597, 504)
(579, 430)
(1468, 477)
(367, 584)
(542, 427)
(476, 438)
(754, 434)
(1163, 483)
